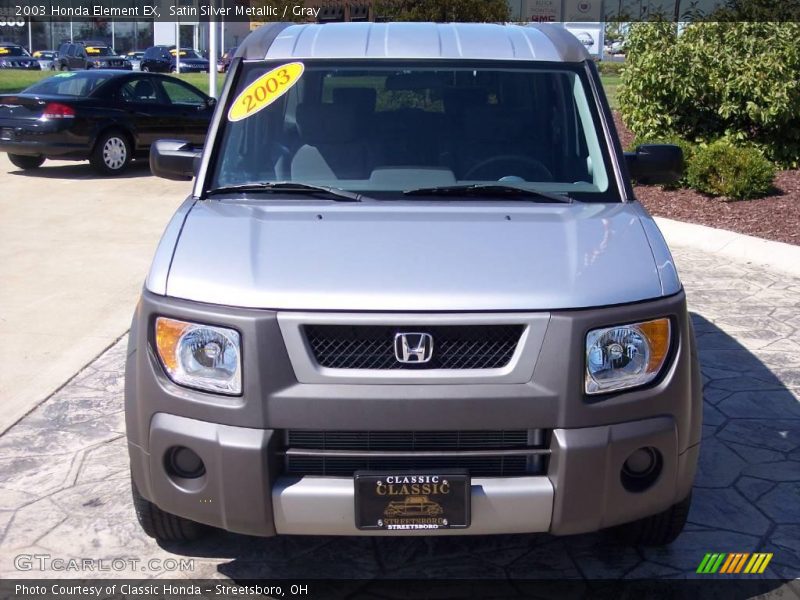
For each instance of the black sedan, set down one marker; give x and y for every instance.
(106, 117)
(14, 56)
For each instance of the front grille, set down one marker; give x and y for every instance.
(372, 346)
(407, 440)
(482, 453)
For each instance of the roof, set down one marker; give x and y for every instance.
(540, 42)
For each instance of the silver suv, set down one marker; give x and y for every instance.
(412, 293)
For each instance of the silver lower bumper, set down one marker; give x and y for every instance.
(326, 506)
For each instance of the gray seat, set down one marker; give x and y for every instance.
(331, 145)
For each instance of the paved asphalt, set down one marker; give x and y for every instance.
(64, 487)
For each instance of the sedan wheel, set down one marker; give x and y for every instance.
(112, 155)
(146, 69)
(26, 162)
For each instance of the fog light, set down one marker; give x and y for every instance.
(184, 463)
(641, 462)
(641, 469)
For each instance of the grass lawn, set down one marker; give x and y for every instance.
(12, 81)
(611, 83)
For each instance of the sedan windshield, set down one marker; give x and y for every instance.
(385, 129)
(13, 51)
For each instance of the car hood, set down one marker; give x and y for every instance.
(414, 257)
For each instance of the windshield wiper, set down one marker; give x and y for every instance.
(289, 187)
(490, 189)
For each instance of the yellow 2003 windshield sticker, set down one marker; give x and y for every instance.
(265, 90)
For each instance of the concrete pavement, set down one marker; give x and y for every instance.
(65, 492)
(74, 251)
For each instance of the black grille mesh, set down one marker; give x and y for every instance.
(407, 440)
(416, 441)
(484, 466)
(372, 347)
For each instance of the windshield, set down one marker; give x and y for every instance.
(69, 84)
(99, 51)
(13, 51)
(376, 128)
(185, 53)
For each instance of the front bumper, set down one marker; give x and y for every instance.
(245, 488)
(242, 491)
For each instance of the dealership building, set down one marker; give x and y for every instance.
(46, 33)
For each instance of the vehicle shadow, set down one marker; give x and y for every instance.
(81, 170)
(745, 500)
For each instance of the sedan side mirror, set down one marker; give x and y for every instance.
(174, 159)
(655, 163)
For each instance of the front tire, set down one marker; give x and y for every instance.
(145, 69)
(111, 154)
(25, 162)
(164, 526)
(658, 530)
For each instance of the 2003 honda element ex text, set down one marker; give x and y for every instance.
(412, 293)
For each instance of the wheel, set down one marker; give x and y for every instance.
(26, 162)
(145, 69)
(162, 525)
(173, 70)
(111, 154)
(658, 530)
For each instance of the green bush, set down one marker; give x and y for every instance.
(722, 169)
(688, 149)
(610, 68)
(733, 80)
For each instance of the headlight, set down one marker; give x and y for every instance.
(200, 356)
(98, 63)
(626, 356)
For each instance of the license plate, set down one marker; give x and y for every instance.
(6, 133)
(417, 501)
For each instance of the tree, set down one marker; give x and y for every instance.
(443, 10)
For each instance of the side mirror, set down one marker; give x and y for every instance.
(174, 159)
(655, 163)
(211, 102)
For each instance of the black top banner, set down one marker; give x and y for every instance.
(16, 12)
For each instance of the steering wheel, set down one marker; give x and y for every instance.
(533, 168)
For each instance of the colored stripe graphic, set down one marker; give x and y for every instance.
(758, 564)
(733, 563)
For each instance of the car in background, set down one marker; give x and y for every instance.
(14, 56)
(104, 116)
(225, 62)
(135, 58)
(82, 55)
(162, 59)
(46, 59)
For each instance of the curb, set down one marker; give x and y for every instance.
(736, 246)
